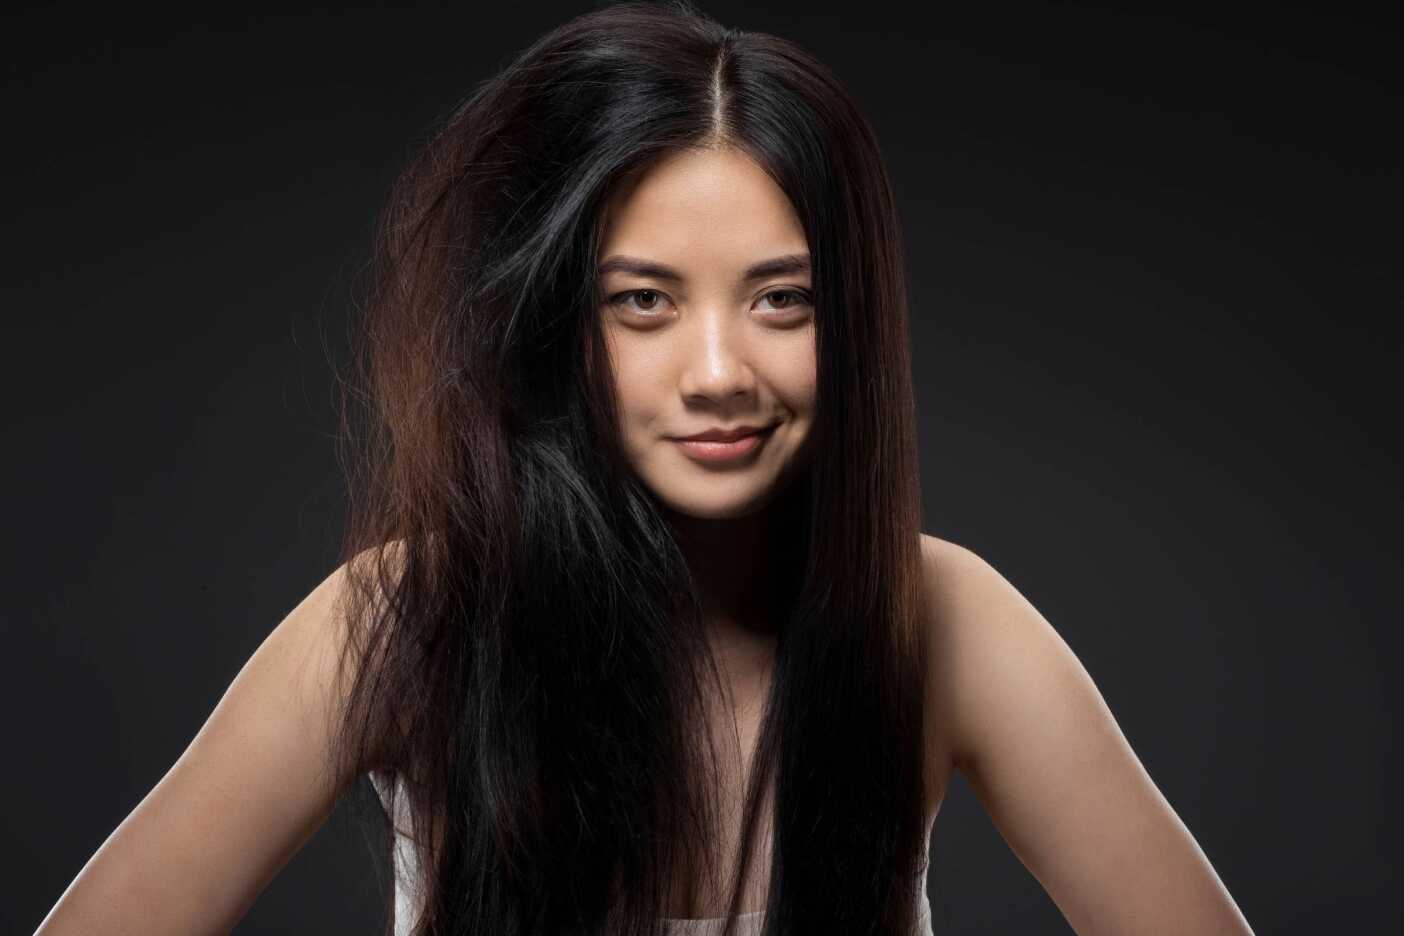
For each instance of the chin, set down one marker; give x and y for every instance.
(717, 507)
(717, 513)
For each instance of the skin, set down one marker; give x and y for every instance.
(1018, 715)
(705, 345)
(708, 348)
(1011, 706)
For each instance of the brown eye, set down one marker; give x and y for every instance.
(643, 300)
(792, 299)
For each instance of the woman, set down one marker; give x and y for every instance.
(607, 674)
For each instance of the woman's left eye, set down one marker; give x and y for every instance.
(794, 297)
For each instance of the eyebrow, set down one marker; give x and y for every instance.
(776, 266)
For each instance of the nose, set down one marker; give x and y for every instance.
(715, 365)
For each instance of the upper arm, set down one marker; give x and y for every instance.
(249, 790)
(1030, 731)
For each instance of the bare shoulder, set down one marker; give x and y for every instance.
(946, 570)
(984, 634)
(938, 558)
(250, 789)
(1022, 719)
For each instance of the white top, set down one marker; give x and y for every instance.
(749, 924)
(409, 898)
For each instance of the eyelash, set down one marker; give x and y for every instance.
(803, 295)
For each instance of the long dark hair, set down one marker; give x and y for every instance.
(525, 654)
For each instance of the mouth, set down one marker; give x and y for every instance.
(714, 451)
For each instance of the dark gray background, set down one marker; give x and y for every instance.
(1154, 286)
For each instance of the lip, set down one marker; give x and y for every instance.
(714, 451)
(725, 435)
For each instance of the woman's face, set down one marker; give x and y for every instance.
(704, 331)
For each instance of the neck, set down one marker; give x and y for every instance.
(732, 561)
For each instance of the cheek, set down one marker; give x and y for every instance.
(808, 380)
(637, 378)
(795, 375)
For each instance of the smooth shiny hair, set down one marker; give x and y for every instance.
(525, 653)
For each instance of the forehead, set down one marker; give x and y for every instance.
(701, 204)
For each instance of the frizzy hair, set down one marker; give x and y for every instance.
(525, 653)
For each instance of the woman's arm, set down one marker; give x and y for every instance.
(1033, 736)
(242, 799)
